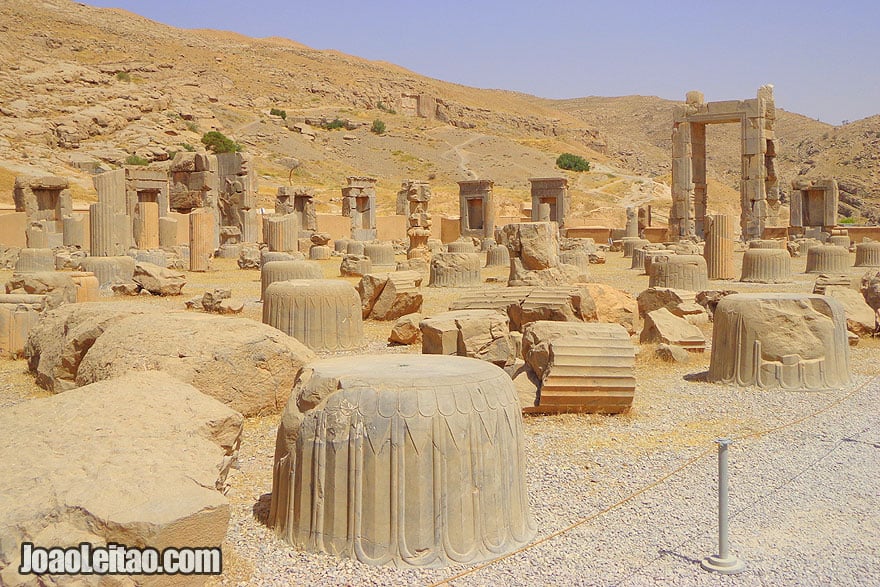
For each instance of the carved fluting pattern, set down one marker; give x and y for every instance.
(146, 225)
(406, 462)
(272, 271)
(106, 231)
(281, 232)
(455, 270)
(380, 254)
(201, 239)
(868, 254)
(323, 314)
(109, 270)
(319, 252)
(167, 232)
(679, 272)
(498, 256)
(355, 248)
(839, 240)
(630, 244)
(579, 259)
(718, 251)
(827, 259)
(766, 266)
(341, 245)
(34, 260)
(778, 340)
(461, 246)
(74, 228)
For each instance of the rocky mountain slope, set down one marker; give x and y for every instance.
(83, 88)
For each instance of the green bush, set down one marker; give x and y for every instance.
(135, 160)
(378, 127)
(217, 142)
(123, 76)
(572, 162)
(277, 112)
(847, 220)
(188, 147)
(385, 108)
(336, 124)
(191, 126)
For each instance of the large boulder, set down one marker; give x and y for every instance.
(388, 296)
(870, 288)
(406, 330)
(662, 326)
(247, 365)
(139, 460)
(157, 280)
(62, 337)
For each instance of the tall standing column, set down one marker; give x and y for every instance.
(146, 225)
(201, 239)
(719, 246)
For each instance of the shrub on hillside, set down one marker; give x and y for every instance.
(135, 160)
(277, 112)
(572, 162)
(217, 142)
(378, 127)
(335, 124)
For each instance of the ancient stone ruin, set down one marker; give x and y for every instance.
(780, 340)
(46, 202)
(412, 202)
(359, 204)
(476, 208)
(549, 199)
(759, 190)
(813, 206)
(300, 202)
(418, 485)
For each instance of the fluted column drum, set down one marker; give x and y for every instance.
(103, 233)
(630, 244)
(201, 239)
(272, 271)
(109, 270)
(87, 286)
(35, 260)
(355, 248)
(323, 314)
(679, 272)
(766, 266)
(498, 256)
(827, 259)
(281, 232)
(455, 270)
(868, 254)
(718, 251)
(167, 232)
(380, 254)
(250, 226)
(766, 244)
(575, 257)
(341, 245)
(839, 240)
(404, 461)
(319, 252)
(74, 228)
(780, 340)
(460, 246)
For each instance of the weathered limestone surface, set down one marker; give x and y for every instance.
(476, 208)
(679, 302)
(19, 313)
(827, 259)
(273, 271)
(461, 246)
(868, 254)
(319, 252)
(201, 239)
(662, 326)
(552, 194)
(860, 317)
(457, 432)
(110, 270)
(388, 296)
(323, 314)
(355, 265)
(679, 272)
(33, 260)
(380, 253)
(870, 288)
(455, 270)
(718, 251)
(406, 330)
(479, 334)
(242, 363)
(159, 281)
(770, 265)
(141, 459)
(57, 287)
(780, 340)
(580, 367)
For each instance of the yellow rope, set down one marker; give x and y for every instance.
(648, 487)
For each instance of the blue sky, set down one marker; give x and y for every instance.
(822, 57)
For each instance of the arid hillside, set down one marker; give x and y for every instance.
(83, 88)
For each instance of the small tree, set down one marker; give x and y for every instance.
(277, 112)
(572, 162)
(217, 142)
(378, 127)
(335, 124)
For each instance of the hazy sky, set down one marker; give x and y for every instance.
(822, 57)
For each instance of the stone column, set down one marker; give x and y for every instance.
(201, 239)
(146, 225)
(167, 232)
(74, 228)
(102, 230)
(719, 246)
(250, 226)
(281, 232)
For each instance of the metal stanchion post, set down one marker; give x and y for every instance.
(724, 562)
